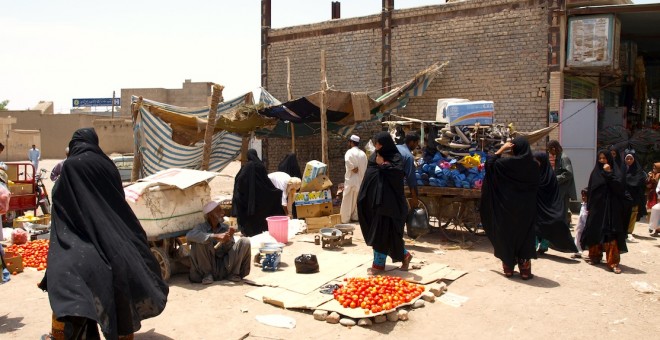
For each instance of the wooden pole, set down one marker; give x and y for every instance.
(324, 115)
(290, 97)
(137, 155)
(216, 98)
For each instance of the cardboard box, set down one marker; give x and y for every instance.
(313, 169)
(313, 197)
(314, 210)
(321, 182)
(470, 113)
(14, 262)
(314, 224)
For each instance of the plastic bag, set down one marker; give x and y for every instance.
(19, 236)
(417, 222)
(307, 264)
(471, 161)
(5, 195)
(369, 148)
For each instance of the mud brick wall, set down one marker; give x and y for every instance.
(497, 50)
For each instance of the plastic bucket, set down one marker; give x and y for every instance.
(278, 227)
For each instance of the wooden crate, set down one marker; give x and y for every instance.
(314, 224)
(314, 210)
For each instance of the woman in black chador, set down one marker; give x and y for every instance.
(255, 197)
(551, 226)
(508, 206)
(605, 230)
(382, 206)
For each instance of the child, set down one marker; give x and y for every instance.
(582, 220)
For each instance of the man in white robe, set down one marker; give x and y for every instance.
(356, 165)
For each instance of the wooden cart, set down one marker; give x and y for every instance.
(449, 207)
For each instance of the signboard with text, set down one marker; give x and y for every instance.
(88, 102)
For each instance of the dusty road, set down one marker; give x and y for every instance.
(568, 299)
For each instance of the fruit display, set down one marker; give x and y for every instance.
(35, 253)
(377, 293)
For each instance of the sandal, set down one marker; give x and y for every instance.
(616, 269)
(508, 271)
(592, 261)
(525, 269)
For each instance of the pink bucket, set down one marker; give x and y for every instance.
(278, 227)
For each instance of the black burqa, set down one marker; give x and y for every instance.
(290, 165)
(381, 203)
(255, 197)
(551, 222)
(508, 203)
(605, 219)
(99, 263)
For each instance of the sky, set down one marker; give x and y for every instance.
(58, 50)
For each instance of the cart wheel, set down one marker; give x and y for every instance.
(163, 261)
(410, 231)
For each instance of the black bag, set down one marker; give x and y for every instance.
(417, 222)
(307, 264)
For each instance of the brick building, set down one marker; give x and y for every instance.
(191, 94)
(497, 49)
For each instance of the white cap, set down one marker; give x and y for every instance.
(210, 206)
(355, 138)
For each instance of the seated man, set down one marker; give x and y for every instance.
(214, 255)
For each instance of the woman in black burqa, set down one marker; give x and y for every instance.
(551, 227)
(635, 185)
(290, 165)
(605, 230)
(100, 268)
(255, 197)
(382, 206)
(508, 206)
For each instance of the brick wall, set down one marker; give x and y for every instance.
(191, 94)
(497, 51)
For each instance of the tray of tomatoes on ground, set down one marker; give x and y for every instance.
(365, 297)
(34, 253)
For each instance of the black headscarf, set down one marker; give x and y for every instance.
(605, 221)
(617, 158)
(508, 203)
(290, 165)
(388, 149)
(99, 263)
(382, 206)
(255, 197)
(550, 210)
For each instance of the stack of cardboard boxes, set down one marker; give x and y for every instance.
(314, 201)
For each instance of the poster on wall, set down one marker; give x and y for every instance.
(593, 41)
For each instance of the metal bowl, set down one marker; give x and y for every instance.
(345, 228)
(331, 233)
(270, 250)
(272, 245)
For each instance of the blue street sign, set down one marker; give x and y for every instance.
(87, 102)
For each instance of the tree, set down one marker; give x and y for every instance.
(3, 105)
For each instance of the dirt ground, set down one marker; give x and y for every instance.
(567, 299)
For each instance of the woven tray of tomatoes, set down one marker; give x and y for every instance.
(376, 294)
(35, 253)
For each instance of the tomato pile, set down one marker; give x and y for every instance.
(377, 293)
(35, 253)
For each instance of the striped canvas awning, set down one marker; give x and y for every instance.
(154, 137)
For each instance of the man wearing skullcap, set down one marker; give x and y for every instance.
(214, 253)
(356, 165)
